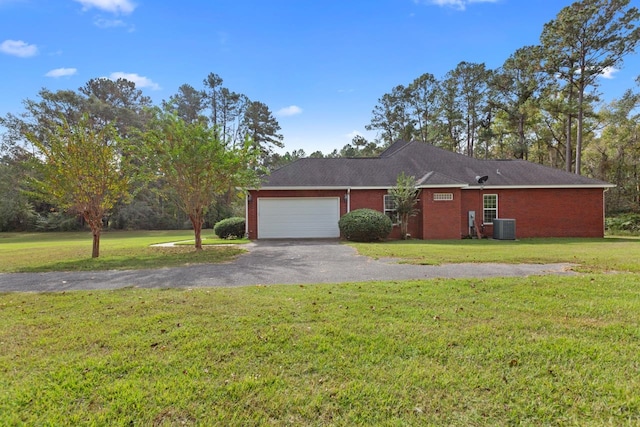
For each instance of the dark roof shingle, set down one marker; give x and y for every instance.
(430, 165)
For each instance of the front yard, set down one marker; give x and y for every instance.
(532, 351)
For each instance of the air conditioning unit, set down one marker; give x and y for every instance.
(504, 229)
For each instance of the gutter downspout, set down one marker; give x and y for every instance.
(604, 212)
(246, 215)
(348, 199)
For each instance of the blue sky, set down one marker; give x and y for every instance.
(320, 66)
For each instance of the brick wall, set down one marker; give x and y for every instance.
(441, 218)
(571, 212)
(538, 212)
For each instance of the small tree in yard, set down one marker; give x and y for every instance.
(82, 171)
(196, 165)
(405, 195)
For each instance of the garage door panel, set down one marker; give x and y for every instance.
(299, 217)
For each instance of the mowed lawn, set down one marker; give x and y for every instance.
(588, 255)
(545, 350)
(37, 252)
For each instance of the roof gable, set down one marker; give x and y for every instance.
(430, 165)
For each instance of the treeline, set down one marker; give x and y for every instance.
(233, 117)
(541, 105)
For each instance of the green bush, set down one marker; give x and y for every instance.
(230, 228)
(365, 225)
(628, 223)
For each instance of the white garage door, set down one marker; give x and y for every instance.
(300, 217)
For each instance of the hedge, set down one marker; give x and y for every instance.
(365, 225)
(230, 228)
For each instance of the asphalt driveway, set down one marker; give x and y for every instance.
(267, 263)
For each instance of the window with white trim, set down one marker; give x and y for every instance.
(489, 208)
(443, 197)
(390, 208)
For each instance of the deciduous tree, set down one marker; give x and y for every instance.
(16, 210)
(197, 165)
(83, 170)
(405, 196)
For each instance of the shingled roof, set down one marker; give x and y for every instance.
(430, 165)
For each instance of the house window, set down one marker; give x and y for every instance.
(489, 208)
(390, 208)
(443, 196)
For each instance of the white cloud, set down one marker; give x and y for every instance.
(456, 4)
(608, 73)
(291, 110)
(113, 6)
(108, 23)
(140, 81)
(61, 72)
(104, 24)
(18, 48)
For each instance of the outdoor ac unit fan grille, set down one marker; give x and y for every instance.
(504, 229)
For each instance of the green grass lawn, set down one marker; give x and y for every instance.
(546, 350)
(35, 252)
(529, 351)
(592, 255)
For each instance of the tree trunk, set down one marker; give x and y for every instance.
(94, 220)
(197, 220)
(404, 226)
(567, 151)
(524, 151)
(579, 131)
(95, 252)
(469, 140)
(198, 232)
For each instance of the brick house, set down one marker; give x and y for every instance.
(459, 196)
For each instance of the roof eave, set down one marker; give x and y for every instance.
(461, 186)
(351, 187)
(554, 186)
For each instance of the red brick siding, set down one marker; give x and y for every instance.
(571, 212)
(441, 217)
(538, 212)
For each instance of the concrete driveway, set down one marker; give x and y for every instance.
(270, 262)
